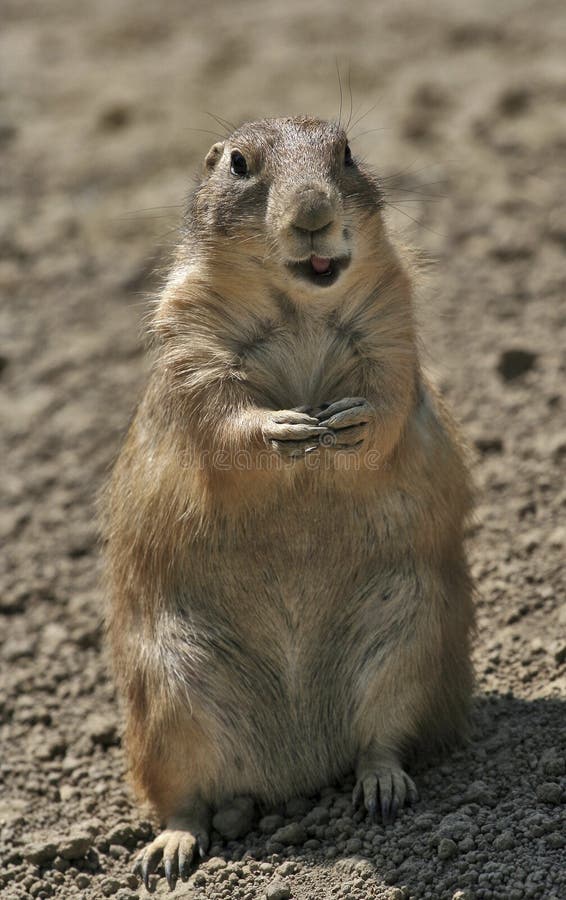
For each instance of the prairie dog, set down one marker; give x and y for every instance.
(290, 597)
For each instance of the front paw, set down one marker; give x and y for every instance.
(292, 433)
(348, 421)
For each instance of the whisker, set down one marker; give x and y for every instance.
(340, 89)
(421, 185)
(434, 195)
(205, 131)
(417, 171)
(370, 110)
(416, 221)
(351, 96)
(362, 134)
(224, 123)
(405, 200)
(138, 212)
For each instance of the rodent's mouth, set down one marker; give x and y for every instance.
(318, 270)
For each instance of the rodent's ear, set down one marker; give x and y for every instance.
(213, 156)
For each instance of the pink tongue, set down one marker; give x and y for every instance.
(320, 264)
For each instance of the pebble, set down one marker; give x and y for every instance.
(466, 845)
(109, 886)
(75, 846)
(122, 834)
(116, 851)
(278, 890)
(552, 763)
(515, 362)
(549, 792)
(60, 864)
(487, 444)
(215, 864)
(556, 445)
(479, 792)
(447, 848)
(297, 806)
(290, 834)
(354, 845)
(425, 821)
(287, 868)
(311, 844)
(557, 537)
(101, 729)
(557, 841)
(40, 853)
(455, 826)
(317, 816)
(355, 865)
(504, 841)
(235, 820)
(93, 827)
(269, 824)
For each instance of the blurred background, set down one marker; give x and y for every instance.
(106, 110)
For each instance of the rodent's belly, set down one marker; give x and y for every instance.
(282, 698)
(284, 630)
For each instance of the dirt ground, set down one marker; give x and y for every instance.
(103, 118)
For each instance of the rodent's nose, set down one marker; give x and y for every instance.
(314, 210)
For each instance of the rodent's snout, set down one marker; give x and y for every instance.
(314, 210)
(314, 243)
(311, 224)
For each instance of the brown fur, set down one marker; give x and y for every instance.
(275, 622)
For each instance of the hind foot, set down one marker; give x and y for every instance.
(387, 785)
(180, 846)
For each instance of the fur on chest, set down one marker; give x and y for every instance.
(294, 357)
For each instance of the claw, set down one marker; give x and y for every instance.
(395, 806)
(371, 806)
(145, 873)
(412, 792)
(203, 843)
(399, 793)
(150, 862)
(386, 796)
(169, 866)
(185, 860)
(357, 795)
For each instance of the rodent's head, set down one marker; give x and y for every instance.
(288, 196)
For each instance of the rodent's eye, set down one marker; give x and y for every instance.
(238, 164)
(348, 161)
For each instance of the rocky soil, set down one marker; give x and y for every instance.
(102, 121)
